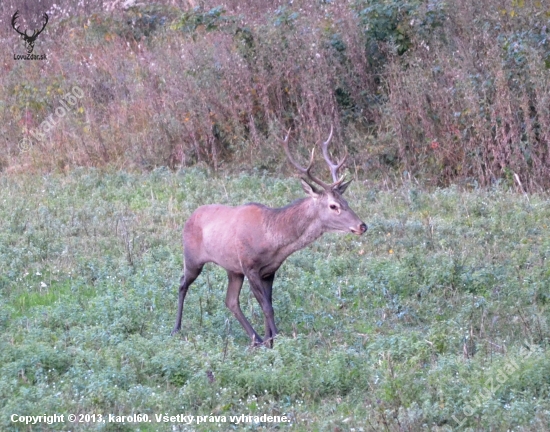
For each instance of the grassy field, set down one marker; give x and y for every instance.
(436, 319)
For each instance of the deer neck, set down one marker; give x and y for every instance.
(295, 226)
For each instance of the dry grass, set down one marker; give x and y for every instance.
(446, 92)
(474, 104)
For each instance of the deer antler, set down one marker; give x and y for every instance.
(29, 40)
(307, 170)
(334, 167)
(13, 20)
(46, 18)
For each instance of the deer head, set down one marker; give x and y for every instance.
(29, 40)
(333, 210)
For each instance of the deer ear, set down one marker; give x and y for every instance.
(310, 190)
(341, 188)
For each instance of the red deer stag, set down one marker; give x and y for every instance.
(253, 240)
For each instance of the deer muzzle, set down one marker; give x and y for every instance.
(360, 229)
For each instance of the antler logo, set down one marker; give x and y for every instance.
(29, 40)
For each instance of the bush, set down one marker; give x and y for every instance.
(444, 91)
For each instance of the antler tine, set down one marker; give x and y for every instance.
(35, 32)
(334, 167)
(307, 170)
(13, 20)
(46, 19)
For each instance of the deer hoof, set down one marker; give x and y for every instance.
(257, 342)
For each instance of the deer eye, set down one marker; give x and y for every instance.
(333, 207)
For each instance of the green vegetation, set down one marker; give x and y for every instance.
(440, 310)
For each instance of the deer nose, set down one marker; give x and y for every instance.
(360, 229)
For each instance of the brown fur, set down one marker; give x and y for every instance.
(253, 240)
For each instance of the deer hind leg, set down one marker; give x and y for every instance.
(232, 302)
(262, 289)
(190, 273)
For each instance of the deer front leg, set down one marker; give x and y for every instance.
(232, 302)
(270, 328)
